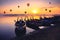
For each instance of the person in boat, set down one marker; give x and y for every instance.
(20, 30)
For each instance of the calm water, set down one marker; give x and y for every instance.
(7, 28)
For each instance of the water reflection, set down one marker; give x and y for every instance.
(51, 32)
(7, 27)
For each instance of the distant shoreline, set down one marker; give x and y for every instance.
(25, 15)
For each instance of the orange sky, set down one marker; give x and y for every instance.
(39, 6)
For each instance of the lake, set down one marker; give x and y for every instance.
(7, 27)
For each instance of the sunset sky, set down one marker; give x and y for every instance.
(36, 6)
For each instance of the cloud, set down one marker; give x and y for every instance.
(5, 2)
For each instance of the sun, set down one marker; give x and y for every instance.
(35, 11)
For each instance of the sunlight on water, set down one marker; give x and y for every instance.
(7, 25)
